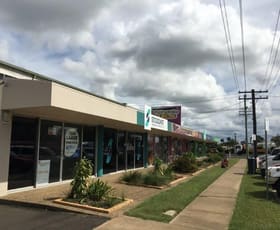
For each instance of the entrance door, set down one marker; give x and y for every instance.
(130, 152)
(22, 154)
(135, 151)
(50, 147)
(109, 154)
(121, 150)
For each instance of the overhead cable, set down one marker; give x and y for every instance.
(242, 41)
(228, 42)
(266, 79)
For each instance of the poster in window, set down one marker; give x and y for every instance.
(71, 144)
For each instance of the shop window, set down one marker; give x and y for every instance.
(109, 151)
(88, 144)
(22, 153)
(72, 150)
(50, 147)
(139, 151)
(161, 148)
(121, 150)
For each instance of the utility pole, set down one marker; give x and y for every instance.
(254, 122)
(246, 127)
(253, 98)
(266, 129)
(245, 114)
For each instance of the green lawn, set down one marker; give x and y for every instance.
(253, 210)
(176, 198)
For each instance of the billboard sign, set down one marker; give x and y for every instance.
(170, 113)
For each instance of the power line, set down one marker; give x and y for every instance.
(242, 40)
(228, 41)
(273, 64)
(276, 77)
(265, 82)
(209, 100)
(225, 109)
(225, 97)
(231, 49)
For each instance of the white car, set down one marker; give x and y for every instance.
(261, 158)
(274, 178)
(272, 161)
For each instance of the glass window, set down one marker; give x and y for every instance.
(72, 150)
(50, 147)
(23, 152)
(139, 156)
(161, 148)
(130, 151)
(88, 144)
(121, 150)
(109, 151)
(151, 147)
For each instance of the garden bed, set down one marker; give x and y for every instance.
(174, 181)
(89, 206)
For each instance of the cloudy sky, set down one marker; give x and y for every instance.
(155, 52)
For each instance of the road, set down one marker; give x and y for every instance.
(25, 218)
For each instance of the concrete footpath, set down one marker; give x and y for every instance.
(212, 209)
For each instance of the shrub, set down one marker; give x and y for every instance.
(185, 164)
(213, 158)
(133, 177)
(99, 190)
(158, 166)
(156, 179)
(82, 173)
(168, 171)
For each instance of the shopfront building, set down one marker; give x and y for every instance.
(47, 126)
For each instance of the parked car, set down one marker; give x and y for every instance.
(274, 178)
(261, 158)
(271, 161)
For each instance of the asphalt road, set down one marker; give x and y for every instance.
(25, 218)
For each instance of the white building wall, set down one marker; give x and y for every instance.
(5, 138)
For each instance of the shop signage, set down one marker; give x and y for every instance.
(147, 117)
(170, 113)
(159, 123)
(71, 142)
(43, 172)
(183, 131)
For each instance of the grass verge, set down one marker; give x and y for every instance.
(253, 210)
(176, 198)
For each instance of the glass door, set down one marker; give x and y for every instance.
(130, 151)
(23, 152)
(109, 151)
(88, 144)
(50, 147)
(121, 150)
(139, 156)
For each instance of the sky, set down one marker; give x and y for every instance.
(154, 52)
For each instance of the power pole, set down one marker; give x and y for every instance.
(254, 122)
(245, 113)
(246, 127)
(253, 98)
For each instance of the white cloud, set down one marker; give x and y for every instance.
(4, 50)
(148, 51)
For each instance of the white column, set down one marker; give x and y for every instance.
(5, 140)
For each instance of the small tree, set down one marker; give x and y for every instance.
(82, 172)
